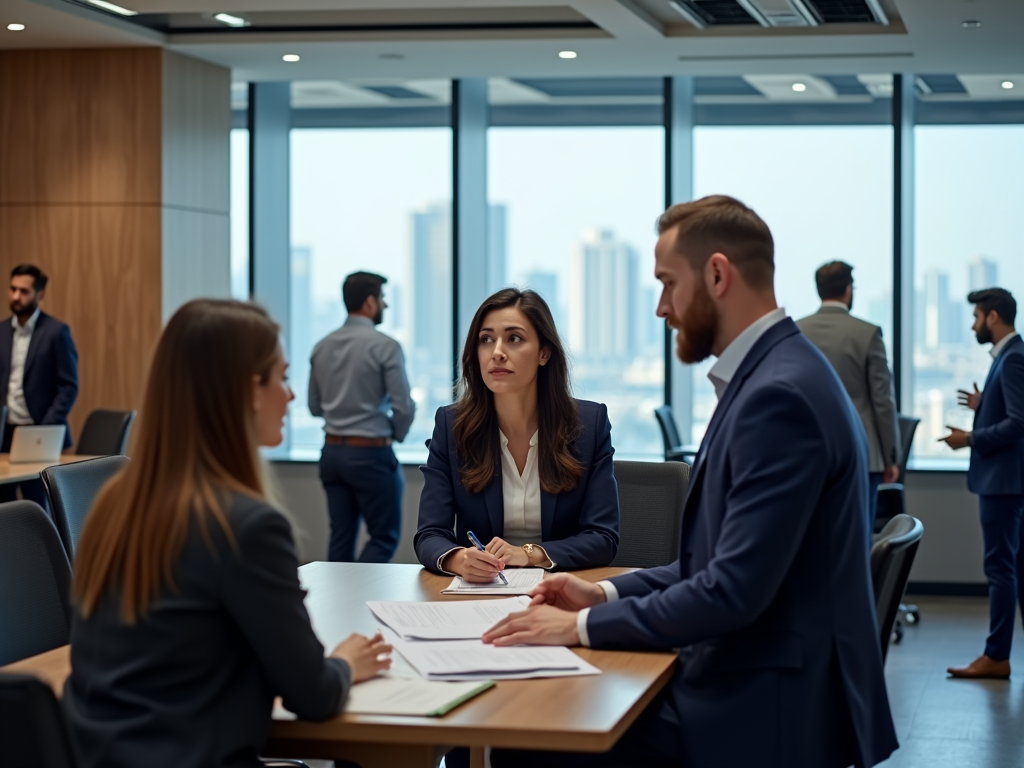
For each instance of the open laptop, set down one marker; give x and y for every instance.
(37, 445)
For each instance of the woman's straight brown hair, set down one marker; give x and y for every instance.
(476, 422)
(195, 443)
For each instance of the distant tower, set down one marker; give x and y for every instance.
(431, 279)
(982, 273)
(602, 297)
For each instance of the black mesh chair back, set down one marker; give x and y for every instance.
(35, 583)
(71, 490)
(32, 728)
(669, 430)
(651, 497)
(908, 426)
(105, 433)
(892, 556)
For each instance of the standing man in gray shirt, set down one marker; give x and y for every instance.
(358, 384)
(857, 352)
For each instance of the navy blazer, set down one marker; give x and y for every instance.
(579, 529)
(997, 452)
(771, 599)
(51, 371)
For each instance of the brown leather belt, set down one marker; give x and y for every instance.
(358, 441)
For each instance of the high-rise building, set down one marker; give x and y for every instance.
(431, 274)
(942, 317)
(982, 273)
(602, 298)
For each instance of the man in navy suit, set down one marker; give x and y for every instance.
(38, 368)
(771, 599)
(996, 473)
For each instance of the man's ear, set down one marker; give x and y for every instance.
(717, 274)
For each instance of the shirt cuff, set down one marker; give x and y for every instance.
(551, 563)
(611, 594)
(581, 627)
(441, 560)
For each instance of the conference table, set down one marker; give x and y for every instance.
(580, 714)
(21, 472)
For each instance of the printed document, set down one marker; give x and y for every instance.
(521, 581)
(452, 620)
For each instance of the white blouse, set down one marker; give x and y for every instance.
(521, 495)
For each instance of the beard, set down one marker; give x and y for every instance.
(697, 328)
(379, 317)
(26, 310)
(983, 335)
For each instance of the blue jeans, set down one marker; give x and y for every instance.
(362, 483)
(1004, 568)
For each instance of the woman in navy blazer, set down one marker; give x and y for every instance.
(517, 460)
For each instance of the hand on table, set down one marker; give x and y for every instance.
(969, 399)
(366, 656)
(568, 592)
(473, 565)
(537, 625)
(509, 555)
(957, 438)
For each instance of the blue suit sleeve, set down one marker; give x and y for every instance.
(769, 504)
(598, 538)
(986, 440)
(435, 531)
(66, 358)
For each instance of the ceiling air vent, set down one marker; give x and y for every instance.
(781, 13)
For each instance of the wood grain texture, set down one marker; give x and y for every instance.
(19, 473)
(81, 126)
(104, 264)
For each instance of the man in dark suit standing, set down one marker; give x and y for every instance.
(771, 599)
(38, 367)
(996, 473)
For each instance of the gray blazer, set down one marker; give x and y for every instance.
(192, 683)
(857, 352)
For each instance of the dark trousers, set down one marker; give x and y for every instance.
(1004, 568)
(362, 483)
(31, 490)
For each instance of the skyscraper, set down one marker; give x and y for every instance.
(942, 317)
(982, 273)
(602, 298)
(431, 279)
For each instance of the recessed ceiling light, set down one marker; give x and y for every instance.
(799, 87)
(567, 54)
(1007, 84)
(290, 57)
(112, 7)
(15, 27)
(231, 21)
(970, 24)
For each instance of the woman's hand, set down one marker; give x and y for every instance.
(366, 656)
(473, 565)
(509, 555)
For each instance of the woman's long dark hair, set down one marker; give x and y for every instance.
(476, 422)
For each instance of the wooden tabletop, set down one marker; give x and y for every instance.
(19, 473)
(584, 714)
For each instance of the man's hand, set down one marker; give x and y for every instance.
(537, 625)
(891, 473)
(509, 555)
(568, 592)
(957, 438)
(473, 565)
(969, 399)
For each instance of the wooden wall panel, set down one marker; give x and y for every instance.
(104, 268)
(81, 126)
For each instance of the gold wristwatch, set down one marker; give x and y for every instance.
(528, 548)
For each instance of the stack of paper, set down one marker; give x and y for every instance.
(400, 696)
(521, 581)
(462, 620)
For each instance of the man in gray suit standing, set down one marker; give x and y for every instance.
(857, 352)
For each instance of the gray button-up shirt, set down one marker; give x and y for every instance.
(358, 383)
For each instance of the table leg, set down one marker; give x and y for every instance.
(477, 757)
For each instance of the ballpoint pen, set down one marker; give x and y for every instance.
(478, 545)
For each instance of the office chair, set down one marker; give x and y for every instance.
(651, 497)
(32, 727)
(892, 556)
(674, 449)
(71, 490)
(35, 584)
(105, 433)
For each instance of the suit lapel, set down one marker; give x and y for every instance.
(998, 362)
(495, 505)
(34, 342)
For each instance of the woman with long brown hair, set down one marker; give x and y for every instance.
(189, 616)
(517, 460)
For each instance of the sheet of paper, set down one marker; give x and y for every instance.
(472, 660)
(466, 619)
(520, 582)
(398, 696)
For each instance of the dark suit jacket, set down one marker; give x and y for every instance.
(580, 529)
(997, 455)
(192, 683)
(51, 371)
(771, 600)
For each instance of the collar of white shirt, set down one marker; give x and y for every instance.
(732, 357)
(504, 440)
(997, 348)
(30, 325)
(836, 304)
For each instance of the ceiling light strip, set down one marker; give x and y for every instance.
(120, 10)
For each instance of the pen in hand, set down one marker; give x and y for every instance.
(478, 545)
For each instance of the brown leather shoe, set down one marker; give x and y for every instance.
(983, 668)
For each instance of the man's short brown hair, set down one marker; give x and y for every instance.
(833, 279)
(722, 224)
